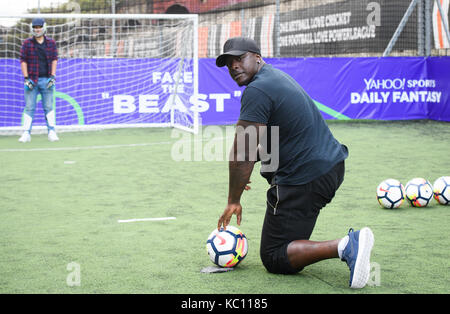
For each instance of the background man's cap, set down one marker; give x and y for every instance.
(237, 46)
(37, 22)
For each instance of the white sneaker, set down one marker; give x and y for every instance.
(357, 256)
(52, 137)
(26, 137)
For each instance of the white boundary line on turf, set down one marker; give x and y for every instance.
(79, 147)
(4, 150)
(146, 219)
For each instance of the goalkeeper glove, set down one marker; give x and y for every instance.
(51, 81)
(28, 84)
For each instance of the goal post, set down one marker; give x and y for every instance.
(114, 71)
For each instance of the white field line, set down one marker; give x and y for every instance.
(146, 219)
(44, 149)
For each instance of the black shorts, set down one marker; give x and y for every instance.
(291, 214)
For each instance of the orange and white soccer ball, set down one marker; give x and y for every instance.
(227, 248)
(390, 193)
(441, 190)
(419, 192)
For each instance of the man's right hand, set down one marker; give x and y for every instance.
(232, 208)
(28, 84)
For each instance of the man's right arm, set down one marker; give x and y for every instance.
(24, 67)
(242, 161)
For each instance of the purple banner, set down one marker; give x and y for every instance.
(393, 88)
(397, 88)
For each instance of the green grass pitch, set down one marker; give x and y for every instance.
(61, 202)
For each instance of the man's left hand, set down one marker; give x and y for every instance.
(51, 81)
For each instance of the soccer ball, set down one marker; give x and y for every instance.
(390, 193)
(227, 248)
(441, 190)
(419, 192)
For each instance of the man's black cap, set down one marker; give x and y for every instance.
(237, 46)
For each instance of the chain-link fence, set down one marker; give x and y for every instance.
(301, 28)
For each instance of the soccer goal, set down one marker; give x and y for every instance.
(114, 71)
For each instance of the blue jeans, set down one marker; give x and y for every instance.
(47, 101)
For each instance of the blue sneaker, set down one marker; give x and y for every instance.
(357, 256)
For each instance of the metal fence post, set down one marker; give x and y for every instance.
(277, 29)
(420, 28)
(428, 27)
(399, 29)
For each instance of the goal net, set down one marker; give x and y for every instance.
(121, 70)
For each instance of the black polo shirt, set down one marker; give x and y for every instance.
(307, 148)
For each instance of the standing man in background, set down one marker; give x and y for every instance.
(38, 59)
